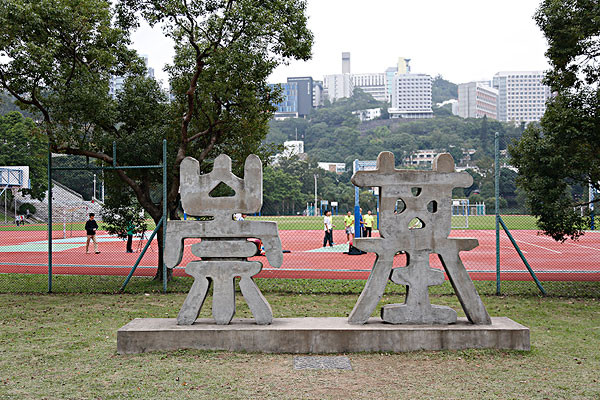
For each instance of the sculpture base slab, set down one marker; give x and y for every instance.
(318, 335)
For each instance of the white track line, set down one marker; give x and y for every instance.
(575, 244)
(531, 244)
(585, 247)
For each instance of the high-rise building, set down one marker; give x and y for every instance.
(521, 95)
(115, 84)
(288, 107)
(389, 79)
(411, 96)
(304, 92)
(337, 86)
(373, 84)
(317, 100)
(345, 63)
(298, 97)
(477, 99)
(403, 65)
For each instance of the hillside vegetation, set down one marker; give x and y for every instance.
(333, 134)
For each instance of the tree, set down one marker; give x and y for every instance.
(21, 143)
(282, 194)
(562, 151)
(81, 180)
(442, 90)
(224, 52)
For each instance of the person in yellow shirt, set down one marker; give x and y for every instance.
(368, 223)
(349, 225)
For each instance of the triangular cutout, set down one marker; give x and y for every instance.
(222, 190)
(416, 223)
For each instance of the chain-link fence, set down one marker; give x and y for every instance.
(571, 268)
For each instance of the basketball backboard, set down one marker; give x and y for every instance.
(15, 177)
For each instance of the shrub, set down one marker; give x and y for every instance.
(27, 206)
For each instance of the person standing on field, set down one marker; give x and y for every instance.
(349, 225)
(91, 226)
(328, 228)
(368, 223)
(130, 229)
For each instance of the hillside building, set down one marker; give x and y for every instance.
(338, 168)
(368, 114)
(476, 100)
(298, 98)
(411, 96)
(288, 106)
(521, 95)
(372, 83)
(337, 86)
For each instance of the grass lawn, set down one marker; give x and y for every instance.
(475, 222)
(64, 346)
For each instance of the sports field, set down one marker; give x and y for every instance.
(24, 250)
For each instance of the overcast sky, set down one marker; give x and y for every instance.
(463, 40)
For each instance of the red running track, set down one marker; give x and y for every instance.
(26, 252)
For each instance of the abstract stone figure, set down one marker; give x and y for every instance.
(224, 249)
(415, 216)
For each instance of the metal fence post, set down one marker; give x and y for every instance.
(497, 193)
(164, 227)
(357, 214)
(49, 218)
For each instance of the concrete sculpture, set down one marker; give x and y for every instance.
(415, 217)
(224, 247)
(423, 196)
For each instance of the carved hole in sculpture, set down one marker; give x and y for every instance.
(401, 259)
(400, 206)
(415, 191)
(432, 206)
(222, 190)
(416, 223)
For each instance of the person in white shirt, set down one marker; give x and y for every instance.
(328, 228)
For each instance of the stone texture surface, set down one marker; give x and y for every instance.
(322, 362)
(223, 249)
(426, 196)
(266, 231)
(195, 187)
(318, 335)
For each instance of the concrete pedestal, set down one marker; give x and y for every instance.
(318, 335)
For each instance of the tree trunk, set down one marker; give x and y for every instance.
(159, 269)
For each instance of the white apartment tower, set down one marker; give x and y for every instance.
(373, 84)
(337, 86)
(521, 95)
(477, 99)
(411, 96)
